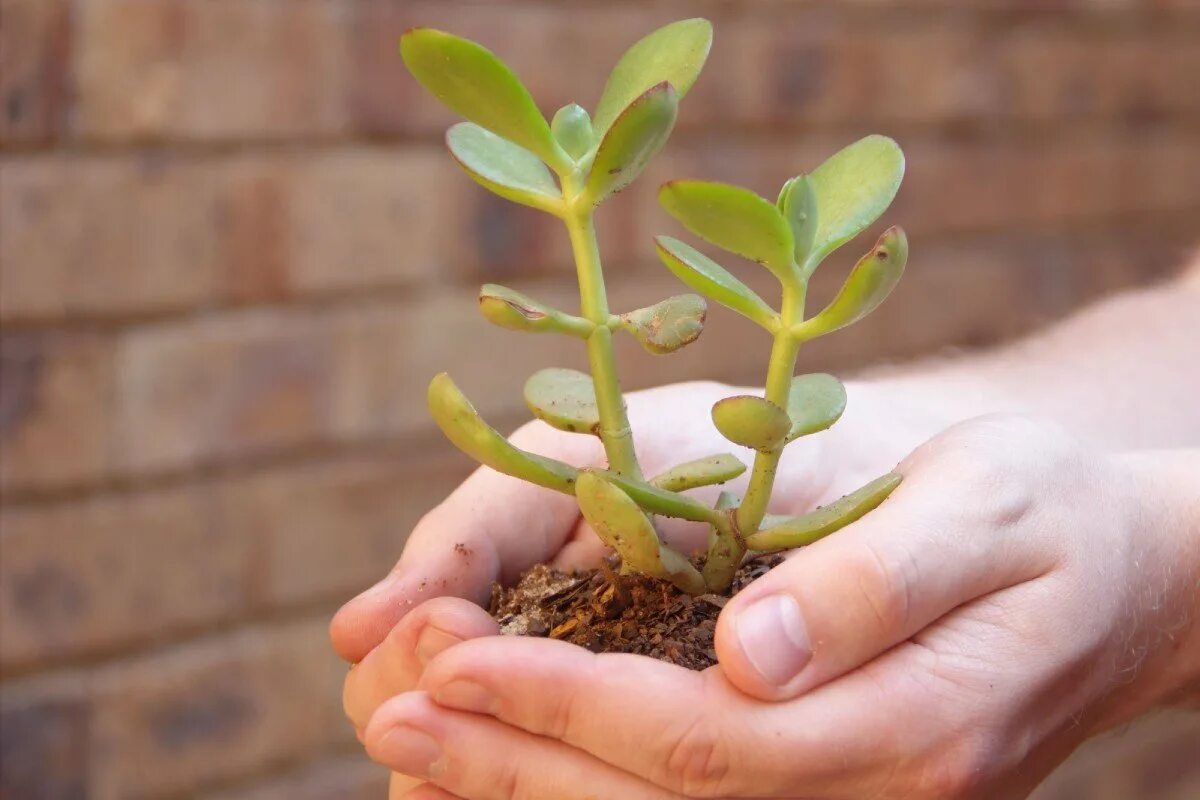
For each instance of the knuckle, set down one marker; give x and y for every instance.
(962, 772)
(700, 761)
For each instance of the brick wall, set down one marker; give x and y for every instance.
(232, 247)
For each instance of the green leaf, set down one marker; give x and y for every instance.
(709, 278)
(476, 84)
(634, 138)
(806, 529)
(458, 419)
(734, 219)
(853, 188)
(798, 204)
(701, 472)
(624, 527)
(668, 325)
(564, 399)
(501, 166)
(815, 402)
(572, 128)
(751, 422)
(661, 501)
(511, 309)
(673, 54)
(724, 550)
(869, 284)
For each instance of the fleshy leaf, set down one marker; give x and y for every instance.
(751, 421)
(668, 325)
(734, 219)
(622, 525)
(815, 402)
(673, 54)
(798, 204)
(708, 277)
(458, 419)
(473, 82)
(501, 166)
(511, 309)
(701, 472)
(634, 138)
(853, 187)
(661, 501)
(724, 550)
(572, 128)
(806, 529)
(869, 284)
(564, 399)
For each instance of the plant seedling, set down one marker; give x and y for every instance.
(568, 166)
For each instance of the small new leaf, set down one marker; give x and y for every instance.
(701, 472)
(751, 422)
(668, 325)
(572, 128)
(622, 525)
(473, 82)
(806, 529)
(511, 309)
(734, 219)
(501, 166)
(853, 187)
(798, 204)
(564, 399)
(673, 54)
(708, 277)
(634, 138)
(815, 402)
(462, 425)
(869, 284)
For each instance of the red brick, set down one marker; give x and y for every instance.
(91, 576)
(342, 778)
(44, 740)
(56, 402)
(34, 63)
(215, 710)
(210, 69)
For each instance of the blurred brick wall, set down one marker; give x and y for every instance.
(233, 251)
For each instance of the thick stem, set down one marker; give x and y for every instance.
(614, 424)
(780, 370)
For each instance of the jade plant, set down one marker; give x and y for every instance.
(568, 166)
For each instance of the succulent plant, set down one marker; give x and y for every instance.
(568, 166)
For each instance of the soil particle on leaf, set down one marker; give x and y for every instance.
(609, 613)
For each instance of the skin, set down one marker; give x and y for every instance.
(1032, 583)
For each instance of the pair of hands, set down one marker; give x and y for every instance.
(1016, 594)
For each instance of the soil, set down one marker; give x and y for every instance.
(610, 613)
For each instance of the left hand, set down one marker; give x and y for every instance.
(1017, 594)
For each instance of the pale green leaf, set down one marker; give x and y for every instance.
(711, 279)
(734, 219)
(806, 529)
(869, 284)
(668, 325)
(751, 422)
(673, 54)
(815, 402)
(564, 399)
(634, 138)
(476, 84)
(798, 204)
(462, 425)
(701, 472)
(511, 309)
(501, 166)
(853, 188)
(572, 128)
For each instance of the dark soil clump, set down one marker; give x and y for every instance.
(608, 613)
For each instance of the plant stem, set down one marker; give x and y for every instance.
(593, 301)
(780, 370)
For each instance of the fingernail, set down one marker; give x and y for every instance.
(410, 751)
(466, 696)
(433, 640)
(774, 638)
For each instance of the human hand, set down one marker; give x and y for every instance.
(1016, 594)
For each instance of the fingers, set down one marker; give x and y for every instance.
(400, 790)
(396, 664)
(949, 534)
(474, 756)
(490, 528)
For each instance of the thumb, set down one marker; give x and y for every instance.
(839, 603)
